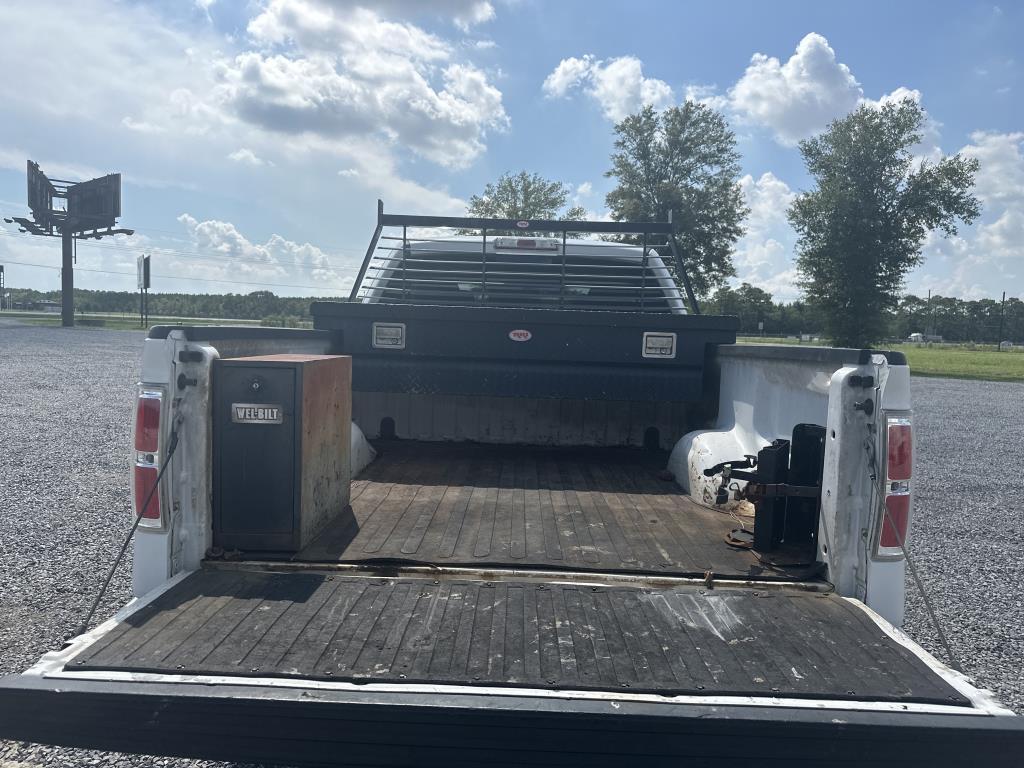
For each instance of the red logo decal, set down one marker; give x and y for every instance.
(520, 335)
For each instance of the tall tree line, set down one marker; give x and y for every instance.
(985, 321)
(954, 319)
(251, 306)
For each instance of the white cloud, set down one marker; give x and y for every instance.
(985, 259)
(1003, 239)
(348, 172)
(367, 96)
(352, 73)
(111, 69)
(1000, 179)
(140, 126)
(569, 74)
(586, 189)
(232, 256)
(464, 14)
(792, 99)
(217, 257)
(313, 25)
(472, 14)
(799, 97)
(246, 156)
(329, 71)
(618, 85)
(895, 97)
(764, 256)
(706, 94)
(388, 96)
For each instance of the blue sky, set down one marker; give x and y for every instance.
(255, 137)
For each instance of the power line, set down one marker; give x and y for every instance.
(179, 277)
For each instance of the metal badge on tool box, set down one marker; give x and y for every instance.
(659, 344)
(389, 335)
(256, 413)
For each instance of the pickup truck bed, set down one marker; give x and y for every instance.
(525, 567)
(579, 509)
(514, 631)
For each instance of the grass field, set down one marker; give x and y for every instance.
(954, 361)
(961, 362)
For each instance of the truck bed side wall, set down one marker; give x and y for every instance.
(765, 391)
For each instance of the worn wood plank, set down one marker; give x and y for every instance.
(582, 508)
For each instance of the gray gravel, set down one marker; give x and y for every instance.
(65, 422)
(968, 531)
(65, 425)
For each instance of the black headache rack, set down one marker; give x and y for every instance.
(518, 263)
(556, 318)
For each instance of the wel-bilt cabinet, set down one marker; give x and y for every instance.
(281, 442)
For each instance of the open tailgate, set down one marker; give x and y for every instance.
(318, 667)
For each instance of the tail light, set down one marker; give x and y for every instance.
(148, 412)
(899, 465)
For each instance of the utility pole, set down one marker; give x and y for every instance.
(142, 264)
(1002, 312)
(91, 210)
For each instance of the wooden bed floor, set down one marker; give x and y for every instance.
(680, 640)
(487, 506)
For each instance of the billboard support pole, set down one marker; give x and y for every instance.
(67, 281)
(91, 210)
(142, 265)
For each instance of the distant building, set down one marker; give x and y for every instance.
(46, 305)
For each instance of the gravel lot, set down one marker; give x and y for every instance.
(65, 415)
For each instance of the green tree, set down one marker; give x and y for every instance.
(524, 196)
(682, 161)
(749, 303)
(861, 228)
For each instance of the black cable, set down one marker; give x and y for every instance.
(929, 608)
(172, 444)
